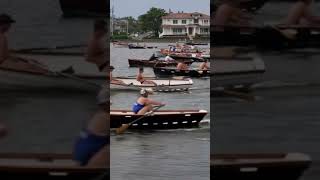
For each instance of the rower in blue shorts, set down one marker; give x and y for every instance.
(144, 104)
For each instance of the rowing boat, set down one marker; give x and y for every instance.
(167, 72)
(153, 63)
(161, 84)
(132, 46)
(46, 166)
(267, 37)
(162, 119)
(241, 71)
(289, 166)
(34, 77)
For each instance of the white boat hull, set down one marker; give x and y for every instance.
(162, 84)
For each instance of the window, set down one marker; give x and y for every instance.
(184, 22)
(196, 21)
(204, 30)
(177, 30)
(205, 21)
(175, 21)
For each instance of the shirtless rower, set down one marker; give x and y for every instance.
(5, 25)
(301, 14)
(204, 65)
(229, 13)
(144, 104)
(141, 78)
(93, 145)
(97, 50)
(182, 66)
(112, 80)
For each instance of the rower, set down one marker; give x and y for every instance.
(92, 146)
(230, 13)
(182, 66)
(141, 78)
(5, 25)
(204, 65)
(300, 14)
(144, 104)
(112, 80)
(97, 51)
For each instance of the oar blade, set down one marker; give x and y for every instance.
(122, 129)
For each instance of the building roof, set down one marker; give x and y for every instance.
(185, 16)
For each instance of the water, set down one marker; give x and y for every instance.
(285, 117)
(165, 154)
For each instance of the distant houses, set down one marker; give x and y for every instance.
(119, 26)
(185, 25)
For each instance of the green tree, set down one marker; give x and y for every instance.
(133, 24)
(151, 21)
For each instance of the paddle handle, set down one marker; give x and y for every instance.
(147, 114)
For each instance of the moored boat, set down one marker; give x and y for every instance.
(285, 166)
(153, 63)
(162, 84)
(167, 72)
(162, 119)
(46, 166)
(133, 46)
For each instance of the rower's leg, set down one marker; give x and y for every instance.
(146, 109)
(101, 159)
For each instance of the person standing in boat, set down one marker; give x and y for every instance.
(97, 51)
(92, 147)
(144, 104)
(141, 78)
(5, 25)
(301, 14)
(229, 13)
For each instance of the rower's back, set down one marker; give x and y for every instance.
(297, 13)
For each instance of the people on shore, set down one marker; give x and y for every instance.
(229, 13)
(301, 14)
(144, 104)
(204, 65)
(182, 66)
(5, 25)
(97, 52)
(92, 147)
(141, 78)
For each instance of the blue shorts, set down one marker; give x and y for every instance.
(87, 145)
(137, 107)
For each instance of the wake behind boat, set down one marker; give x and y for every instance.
(161, 84)
(162, 119)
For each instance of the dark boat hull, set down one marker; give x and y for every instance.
(84, 8)
(166, 72)
(189, 119)
(153, 63)
(46, 166)
(258, 166)
(130, 46)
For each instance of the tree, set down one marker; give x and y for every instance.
(152, 20)
(133, 24)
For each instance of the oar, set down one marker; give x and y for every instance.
(286, 32)
(50, 48)
(124, 127)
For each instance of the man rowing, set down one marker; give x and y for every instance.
(92, 147)
(229, 13)
(301, 14)
(141, 78)
(144, 104)
(97, 51)
(113, 80)
(204, 65)
(182, 66)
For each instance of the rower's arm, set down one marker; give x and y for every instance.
(154, 102)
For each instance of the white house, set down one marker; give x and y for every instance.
(185, 24)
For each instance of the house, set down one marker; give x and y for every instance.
(185, 25)
(119, 26)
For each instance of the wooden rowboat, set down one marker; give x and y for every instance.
(258, 166)
(46, 166)
(162, 84)
(163, 119)
(84, 8)
(167, 72)
(152, 63)
(132, 46)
